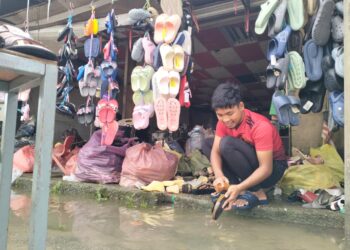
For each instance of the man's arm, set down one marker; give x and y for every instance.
(215, 158)
(216, 162)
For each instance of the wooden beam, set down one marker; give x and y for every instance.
(24, 82)
(59, 18)
(21, 65)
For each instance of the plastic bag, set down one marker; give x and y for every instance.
(100, 163)
(196, 139)
(145, 163)
(312, 177)
(23, 159)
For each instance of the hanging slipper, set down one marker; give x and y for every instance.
(264, 15)
(137, 98)
(172, 25)
(337, 29)
(295, 41)
(281, 71)
(148, 47)
(160, 28)
(312, 6)
(271, 78)
(296, 14)
(332, 81)
(136, 78)
(137, 53)
(157, 58)
(155, 90)
(92, 47)
(148, 97)
(179, 58)
(282, 105)
(294, 110)
(296, 71)
(277, 46)
(173, 112)
(338, 56)
(313, 55)
(167, 54)
(174, 83)
(322, 26)
(312, 97)
(163, 81)
(146, 74)
(160, 107)
(336, 100)
(339, 6)
(279, 15)
(89, 114)
(81, 114)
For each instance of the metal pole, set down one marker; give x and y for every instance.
(43, 159)
(347, 120)
(6, 157)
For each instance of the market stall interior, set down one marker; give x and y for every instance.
(149, 68)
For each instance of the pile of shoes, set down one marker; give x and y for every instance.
(161, 85)
(66, 71)
(305, 55)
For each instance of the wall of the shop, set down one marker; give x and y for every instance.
(308, 133)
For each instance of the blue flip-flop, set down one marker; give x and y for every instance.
(252, 200)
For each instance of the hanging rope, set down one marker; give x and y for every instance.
(147, 4)
(26, 22)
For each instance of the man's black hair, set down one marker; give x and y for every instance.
(226, 95)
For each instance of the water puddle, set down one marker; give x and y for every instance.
(80, 223)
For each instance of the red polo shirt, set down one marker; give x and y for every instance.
(258, 131)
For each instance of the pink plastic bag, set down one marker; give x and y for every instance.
(144, 163)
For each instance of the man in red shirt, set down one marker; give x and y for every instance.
(247, 151)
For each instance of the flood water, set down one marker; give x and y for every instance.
(80, 223)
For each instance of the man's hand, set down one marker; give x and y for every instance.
(220, 181)
(231, 195)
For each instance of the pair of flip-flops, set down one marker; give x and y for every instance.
(166, 28)
(287, 108)
(106, 112)
(141, 116)
(143, 49)
(277, 74)
(167, 113)
(86, 114)
(66, 108)
(312, 96)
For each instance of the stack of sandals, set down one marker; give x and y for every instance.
(166, 64)
(306, 56)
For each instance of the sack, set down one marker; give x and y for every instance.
(196, 139)
(145, 163)
(23, 159)
(193, 164)
(101, 163)
(312, 177)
